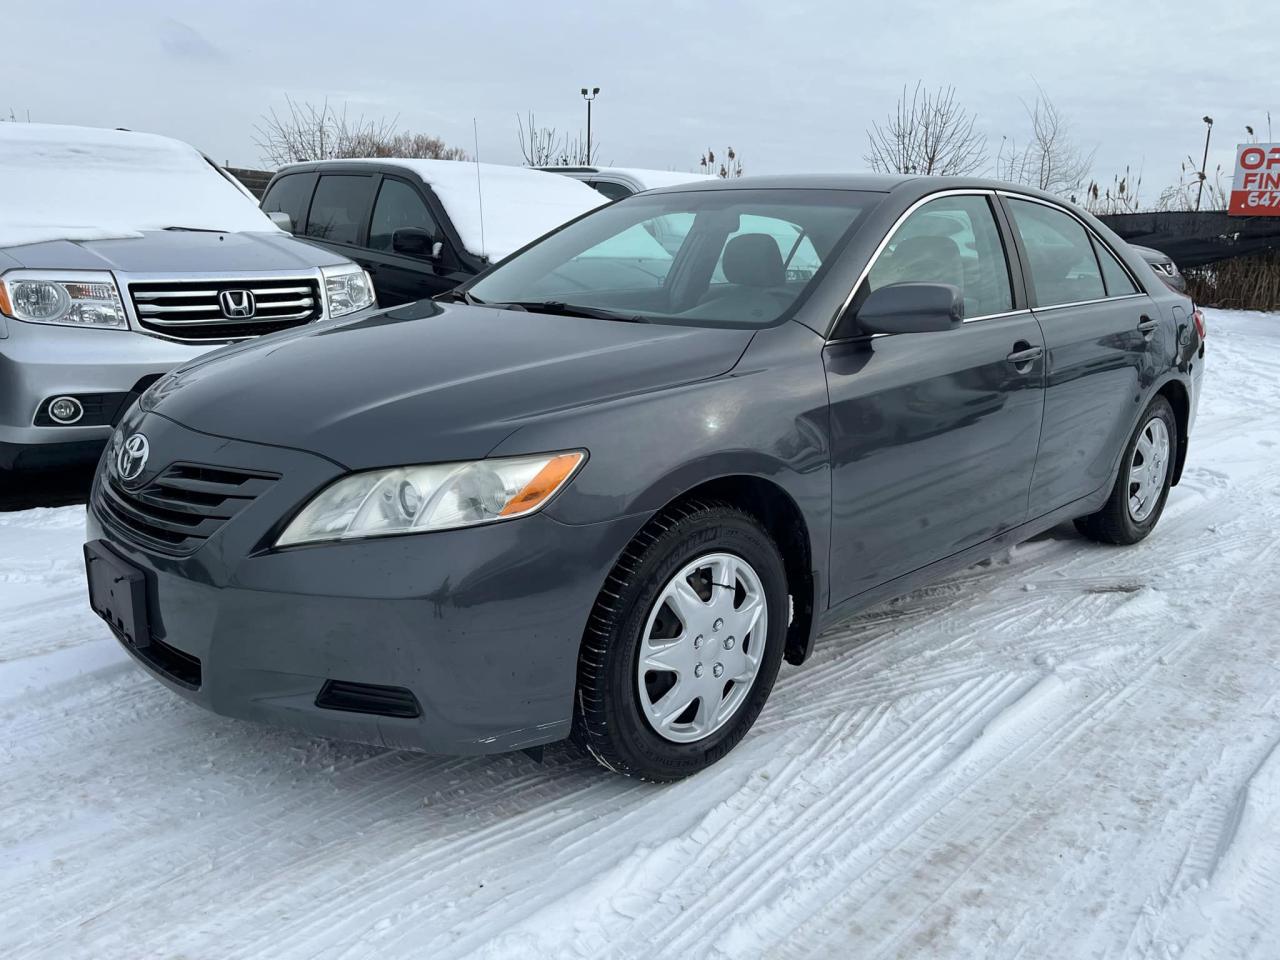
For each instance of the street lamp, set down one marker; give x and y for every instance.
(1205, 162)
(589, 98)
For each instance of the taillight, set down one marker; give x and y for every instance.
(1198, 316)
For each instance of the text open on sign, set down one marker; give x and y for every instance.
(1255, 191)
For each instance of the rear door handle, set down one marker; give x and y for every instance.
(1021, 357)
(1147, 326)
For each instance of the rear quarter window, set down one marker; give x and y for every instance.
(291, 194)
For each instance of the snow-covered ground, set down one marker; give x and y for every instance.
(1068, 752)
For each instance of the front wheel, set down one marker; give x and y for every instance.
(684, 643)
(1146, 474)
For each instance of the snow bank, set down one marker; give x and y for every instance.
(82, 183)
(520, 205)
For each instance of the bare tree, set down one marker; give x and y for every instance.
(1052, 160)
(541, 146)
(308, 132)
(930, 133)
(544, 147)
(730, 166)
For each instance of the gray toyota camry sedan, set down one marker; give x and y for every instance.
(611, 484)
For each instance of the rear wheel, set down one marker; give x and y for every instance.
(1138, 498)
(684, 643)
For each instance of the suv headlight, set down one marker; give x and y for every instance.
(64, 297)
(347, 289)
(441, 496)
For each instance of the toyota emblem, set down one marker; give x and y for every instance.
(131, 458)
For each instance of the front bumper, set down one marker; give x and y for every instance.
(482, 625)
(40, 361)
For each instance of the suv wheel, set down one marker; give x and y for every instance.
(684, 643)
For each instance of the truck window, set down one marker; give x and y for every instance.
(291, 194)
(340, 208)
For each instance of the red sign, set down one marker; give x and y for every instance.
(1255, 191)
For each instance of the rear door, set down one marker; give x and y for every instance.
(1099, 327)
(934, 435)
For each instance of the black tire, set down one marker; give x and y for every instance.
(608, 719)
(1114, 523)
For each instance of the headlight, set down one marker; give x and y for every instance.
(347, 289)
(433, 497)
(72, 299)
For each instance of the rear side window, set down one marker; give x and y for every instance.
(290, 194)
(340, 208)
(1118, 281)
(399, 205)
(951, 240)
(1063, 266)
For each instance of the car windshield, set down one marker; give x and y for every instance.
(740, 257)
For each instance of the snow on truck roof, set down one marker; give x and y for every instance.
(520, 204)
(84, 183)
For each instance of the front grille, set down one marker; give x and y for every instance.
(181, 508)
(191, 310)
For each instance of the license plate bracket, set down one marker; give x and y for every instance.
(118, 594)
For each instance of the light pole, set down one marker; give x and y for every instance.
(589, 98)
(1205, 162)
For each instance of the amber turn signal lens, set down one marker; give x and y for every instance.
(544, 483)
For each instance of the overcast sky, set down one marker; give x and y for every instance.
(792, 86)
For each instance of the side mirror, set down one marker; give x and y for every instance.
(912, 308)
(281, 220)
(416, 242)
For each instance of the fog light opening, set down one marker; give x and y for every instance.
(65, 410)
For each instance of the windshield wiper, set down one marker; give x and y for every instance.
(454, 296)
(562, 309)
(196, 229)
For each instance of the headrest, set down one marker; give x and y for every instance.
(753, 260)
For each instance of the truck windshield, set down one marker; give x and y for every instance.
(727, 257)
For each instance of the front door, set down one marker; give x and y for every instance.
(1099, 330)
(934, 435)
(400, 277)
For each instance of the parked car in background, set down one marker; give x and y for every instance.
(618, 182)
(122, 255)
(574, 501)
(1163, 266)
(421, 227)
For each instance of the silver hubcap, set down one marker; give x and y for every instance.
(702, 647)
(1148, 469)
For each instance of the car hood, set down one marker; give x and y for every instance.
(177, 251)
(429, 382)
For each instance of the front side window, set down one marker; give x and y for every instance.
(290, 194)
(1060, 254)
(739, 257)
(952, 240)
(399, 205)
(339, 208)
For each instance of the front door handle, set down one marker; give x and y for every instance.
(1024, 357)
(1147, 326)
